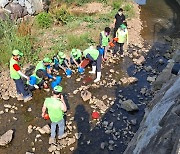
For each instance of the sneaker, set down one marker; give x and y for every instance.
(19, 97)
(52, 140)
(27, 98)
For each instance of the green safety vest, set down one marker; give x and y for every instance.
(13, 73)
(122, 35)
(60, 60)
(105, 39)
(54, 109)
(40, 65)
(78, 55)
(93, 53)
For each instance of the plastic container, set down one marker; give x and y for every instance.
(32, 80)
(95, 115)
(68, 72)
(46, 116)
(80, 70)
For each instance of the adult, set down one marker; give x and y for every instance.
(122, 35)
(119, 20)
(56, 108)
(95, 57)
(16, 74)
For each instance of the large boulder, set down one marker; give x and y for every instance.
(129, 105)
(6, 138)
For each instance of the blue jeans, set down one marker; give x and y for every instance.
(61, 128)
(20, 87)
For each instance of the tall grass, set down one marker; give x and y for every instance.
(10, 39)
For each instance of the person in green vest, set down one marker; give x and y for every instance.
(94, 56)
(61, 62)
(122, 35)
(37, 80)
(75, 57)
(104, 41)
(56, 107)
(16, 74)
(45, 65)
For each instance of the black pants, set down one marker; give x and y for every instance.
(115, 30)
(118, 48)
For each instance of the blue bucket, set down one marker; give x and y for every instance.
(80, 70)
(68, 72)
(58, 79)
(32, 80)
(53, 84)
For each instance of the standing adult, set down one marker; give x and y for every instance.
(119, 20)
(95, 57)
(16, 75)
(56, 108)
(122, 35)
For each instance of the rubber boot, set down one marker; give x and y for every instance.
(98, 77)
(93, 70)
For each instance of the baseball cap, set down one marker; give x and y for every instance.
(61, 54)
(47, 60)
(17, 52)
(58, 89)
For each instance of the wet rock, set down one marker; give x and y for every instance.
(41, 131)
(161, 61)
(57, 152)
(12, 111)
(148, 68)
(46, 129)
(6, 110)
(151, 79)
(111, 142)
(139, 61)
(128, 80)
(110, 147)
(5, 97)
(108, 131)
(29, 153)
(105, 123)
(78, 135)
(104, 97)
(52, 148)
(78, 79)
(1, 112)
(72, 149)
(103, 144)
(71, 141)
(129, 105)
(30, 129)
(75, 92)
(111, 71)
(29, 109)
(133, 121)
(86, 95)
(15, 118)
(6, 138)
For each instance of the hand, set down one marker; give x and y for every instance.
(28, 78)
(62, 97)
(42, 115)
(36, 86)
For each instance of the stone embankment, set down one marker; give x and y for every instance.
(159, 131)
(19, 8)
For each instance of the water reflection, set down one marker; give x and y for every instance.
(140, 2)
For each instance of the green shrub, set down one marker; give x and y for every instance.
(116, 4)
(43, 20)
(62, 15)
(129, 10)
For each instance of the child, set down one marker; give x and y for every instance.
(56, 108)
(76, 58)
(104, 41)
(37, 80)
(60, 61)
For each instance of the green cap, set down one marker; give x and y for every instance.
(123, 26)
(74, 52)
(61, 54)
(58, 89)
(17, 52)
(47, 60)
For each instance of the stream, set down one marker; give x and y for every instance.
(159, 20)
